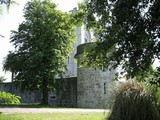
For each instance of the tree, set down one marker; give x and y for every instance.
(2, 79)
(127, 33)
(7, 3)
(42, 44)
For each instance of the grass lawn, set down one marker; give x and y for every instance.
(54, 116)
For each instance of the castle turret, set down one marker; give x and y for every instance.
(92, 84)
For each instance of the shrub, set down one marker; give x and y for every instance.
(133, 102)
(9, 98)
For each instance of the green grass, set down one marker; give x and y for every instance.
(49, 116)
(54, 116)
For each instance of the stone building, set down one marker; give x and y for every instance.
(80, 87)
(92, 84)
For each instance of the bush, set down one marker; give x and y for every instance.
(9, 98)
(133, 102)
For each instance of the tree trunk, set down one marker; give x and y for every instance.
(12, 76)
(45, 92)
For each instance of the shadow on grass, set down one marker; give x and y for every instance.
(27, 106)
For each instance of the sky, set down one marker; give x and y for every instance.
(10, 21)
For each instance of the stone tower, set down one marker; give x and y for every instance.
(92, 84)
(82, 36)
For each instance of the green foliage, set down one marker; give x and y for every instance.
(151, 76)
(157, 94)
(9, 98)
(127, 33)
(2, 79)
(42, 44)
(133, 101)
(7, 3)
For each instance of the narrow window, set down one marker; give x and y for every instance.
(104, 88)
(85, 40)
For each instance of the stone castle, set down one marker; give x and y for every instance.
(80, 87)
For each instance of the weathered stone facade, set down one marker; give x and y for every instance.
(65, 94)
(26, 96)
(92, 83)
(92, 87)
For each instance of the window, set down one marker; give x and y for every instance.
(104, 88)
(85, 40)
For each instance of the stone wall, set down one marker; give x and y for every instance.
(26, 95)
(92, 84)
(92, 87)
(82, 36)
(67, 92)
(64, 95)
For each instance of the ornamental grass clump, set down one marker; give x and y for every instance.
(133, 102)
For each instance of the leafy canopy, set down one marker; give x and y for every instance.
(42, 43)
(127, 33)
(6, 3)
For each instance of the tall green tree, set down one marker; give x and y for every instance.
(127, 33)
(42, 44)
